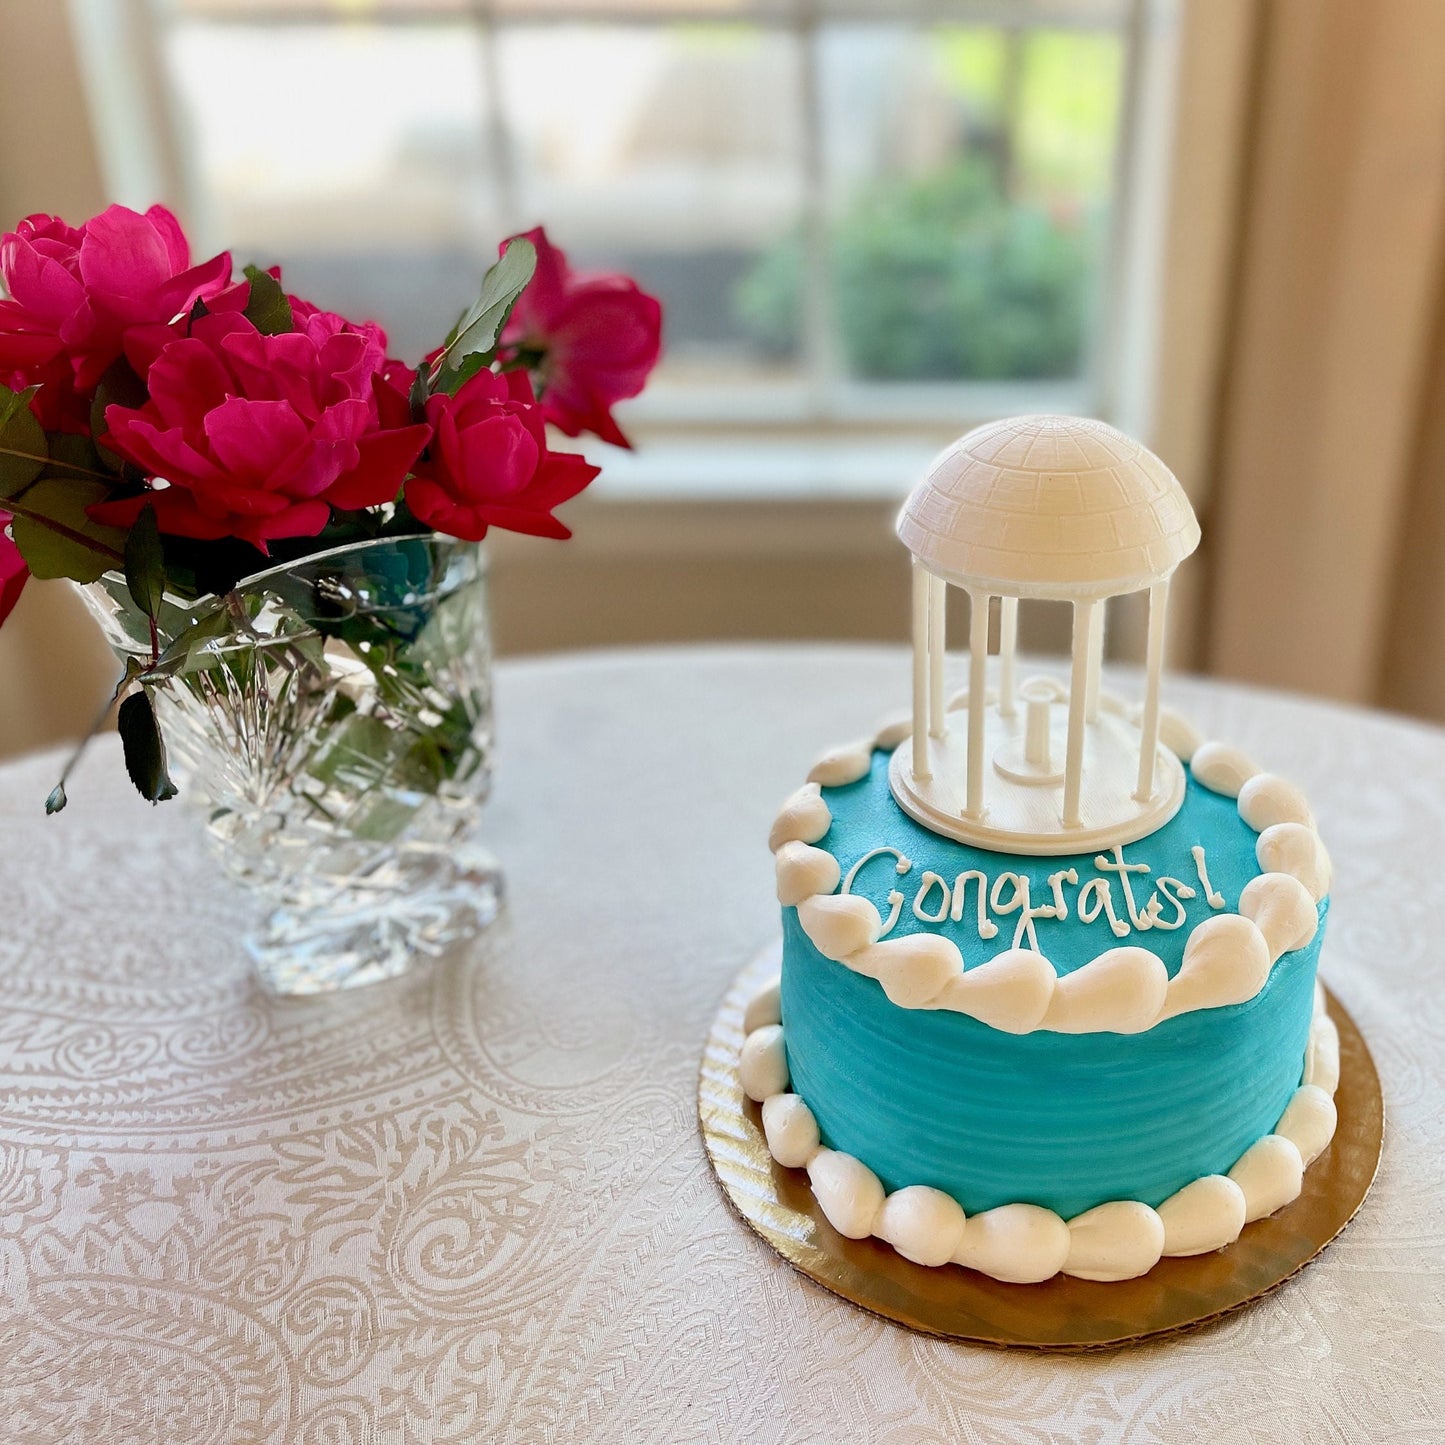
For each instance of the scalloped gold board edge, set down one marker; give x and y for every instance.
(1063, 1313)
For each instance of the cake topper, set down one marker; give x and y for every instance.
(1052, 508)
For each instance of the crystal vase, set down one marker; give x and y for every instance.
(333, 719)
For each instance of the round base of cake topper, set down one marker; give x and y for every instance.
(1062, 1313)
(1021, 813)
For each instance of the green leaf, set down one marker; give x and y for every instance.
(73, 456)
(267, 309)
(187, 652)
(145, 751)
(145, 563)
(479, 327)
(420, 390)
(451, 379)
(56, 799)
(23, 452)
(57, 537)
(135, 667)
(312, 649)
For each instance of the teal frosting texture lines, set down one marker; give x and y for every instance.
(1066, 1121)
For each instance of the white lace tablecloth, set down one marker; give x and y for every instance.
(473, 1205)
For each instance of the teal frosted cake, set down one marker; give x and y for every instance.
(1048, 998)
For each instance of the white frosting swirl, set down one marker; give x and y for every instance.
(1222, 768)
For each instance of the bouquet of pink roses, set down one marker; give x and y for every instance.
(188, 429)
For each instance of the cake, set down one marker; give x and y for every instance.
(1048, 1000)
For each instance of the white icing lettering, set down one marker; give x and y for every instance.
(1171, 891)
(1024, 934)
(1095, 897)
(1010, 894)
(1056, 886)
(895, 898)
(1116, 864)
(895, 905)
(987, 928)
(1017, 902)
(901, 867)
(1215, 898)
(929, 880)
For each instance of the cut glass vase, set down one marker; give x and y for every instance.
(334, 720)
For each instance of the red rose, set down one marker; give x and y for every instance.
(488, 464)
(112, 288)
(57, 405)
(13, 572)
(258, 437)
(311, 319)
(601, 334)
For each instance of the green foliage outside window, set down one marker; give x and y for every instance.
(941, 278)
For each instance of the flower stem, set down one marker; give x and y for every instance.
(51, 461)
(84, 743)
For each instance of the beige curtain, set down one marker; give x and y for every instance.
(54, 669)
(1327, 525)
(1413, 670)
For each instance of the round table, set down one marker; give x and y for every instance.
(473, 1204)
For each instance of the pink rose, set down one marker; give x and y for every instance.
(57, 405)
(112, 288)
(488, 464)
(13, 572)
(259, 437)
(319, 324)
(602, 336)
(308, 318)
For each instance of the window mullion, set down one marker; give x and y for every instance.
(1105, 338)
(820, 350)
(496, 138)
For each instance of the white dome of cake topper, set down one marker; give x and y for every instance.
(1049, 506)
(1040, 507)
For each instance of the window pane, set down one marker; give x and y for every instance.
(968, 175)
(947, 224)
(353, 154)
(672, 152)
(647, 9)
(308, 9)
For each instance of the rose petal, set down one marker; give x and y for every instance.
(253, 438)
(384, 459)
(124, 254)
(13, 572)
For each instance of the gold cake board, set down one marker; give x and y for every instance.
(1063, 1313)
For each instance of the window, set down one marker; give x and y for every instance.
(870, 223)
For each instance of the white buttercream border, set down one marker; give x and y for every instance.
(1025, 1243)
(1227, 957)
